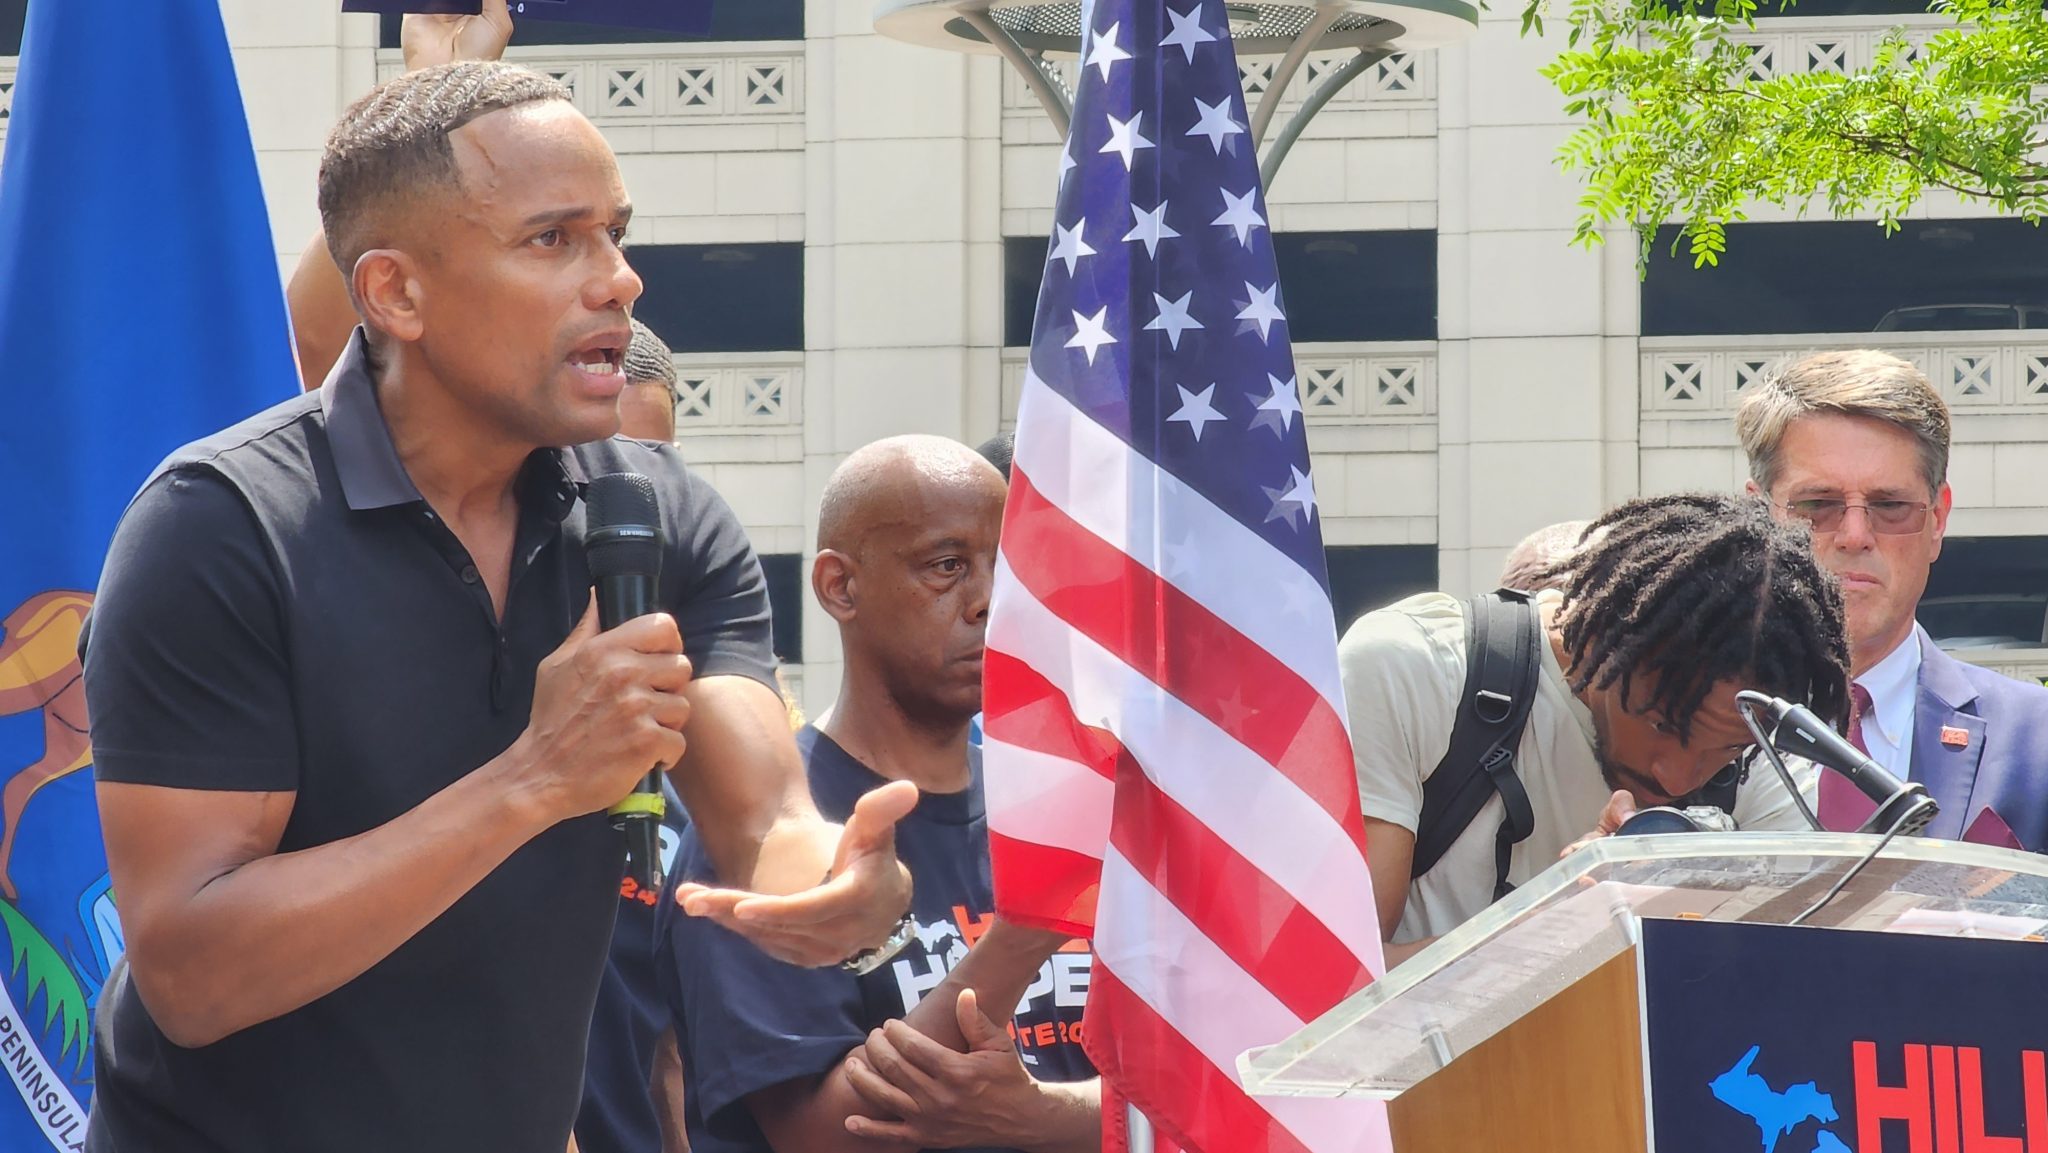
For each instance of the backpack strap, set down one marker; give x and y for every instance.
(1502, 661)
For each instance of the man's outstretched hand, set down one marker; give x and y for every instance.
(431, 40)
(856, 907)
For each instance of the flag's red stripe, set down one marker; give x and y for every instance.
(1169, 1080)
(1255, 921)
(1188, 651)
(1041, 885)
(1022, 708)
(1243, 912)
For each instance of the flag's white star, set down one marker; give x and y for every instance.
(1263, 309)
(1187, 31)
(1232, 711)
(1124, 138)
(1304, 491)
(1173, 317)
(1196, 410)
(1215, 123)
(1240, 214)
(1067, 161)
(1106, 53)
(1178, 555)
(1279, 410)
(1300, 600)
(1151, 228)
(1295, 498)
(1069, 246)
(1091, 332)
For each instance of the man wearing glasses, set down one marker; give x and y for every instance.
(1856, 444)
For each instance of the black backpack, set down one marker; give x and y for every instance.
(1503, 657)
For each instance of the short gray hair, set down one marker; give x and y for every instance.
(1856, 382)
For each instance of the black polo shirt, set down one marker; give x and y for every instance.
(281, 611)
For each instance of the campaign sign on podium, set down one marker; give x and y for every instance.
(1798, 1040)
(1821, 1041)
(1713, 993)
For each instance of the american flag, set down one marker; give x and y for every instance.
(1169, 769)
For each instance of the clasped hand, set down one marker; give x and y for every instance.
(930, 1097)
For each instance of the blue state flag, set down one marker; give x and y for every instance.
(140, 308)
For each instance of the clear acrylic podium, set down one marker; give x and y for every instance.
(1525, 1028)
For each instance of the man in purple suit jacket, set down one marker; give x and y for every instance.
(1856, 444)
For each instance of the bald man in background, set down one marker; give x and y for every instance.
(1532, 565)
(910, 1055)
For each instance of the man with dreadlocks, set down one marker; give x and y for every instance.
(1672, 605)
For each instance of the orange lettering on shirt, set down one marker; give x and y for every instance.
(971, 927)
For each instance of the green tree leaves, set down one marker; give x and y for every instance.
(1683, 119)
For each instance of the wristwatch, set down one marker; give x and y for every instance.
(868, 960)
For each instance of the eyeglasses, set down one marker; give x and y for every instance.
(1890, 517)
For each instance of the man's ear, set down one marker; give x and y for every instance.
(386, 286)
(1752, 488)
(1944, 503)
(832, 582)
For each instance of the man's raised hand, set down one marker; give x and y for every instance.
(431, 40)
(862, 897)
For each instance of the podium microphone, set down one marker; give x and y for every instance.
(623, 543)
(1902, 806)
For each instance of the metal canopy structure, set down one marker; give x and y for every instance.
(1028, 32)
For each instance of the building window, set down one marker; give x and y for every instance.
(13, 14)
(1368, 577)
(1988, 592)
(785, 575)
(1023, 268)
(730, 20)
(1359, 286)
(1338, 286)
(1848, 276)
(722, 297)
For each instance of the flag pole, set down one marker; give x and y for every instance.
(1140, 1128)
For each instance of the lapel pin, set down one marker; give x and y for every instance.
(1955, 738)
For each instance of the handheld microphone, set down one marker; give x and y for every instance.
(1799, 733)
(623, 543)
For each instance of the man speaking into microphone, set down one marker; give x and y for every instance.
(357, 728)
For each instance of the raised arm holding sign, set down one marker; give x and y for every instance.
(688, 17)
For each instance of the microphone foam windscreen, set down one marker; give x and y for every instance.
(621, 498)
(623, 501)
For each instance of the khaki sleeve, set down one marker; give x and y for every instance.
(1400, 685)
(1763, 805)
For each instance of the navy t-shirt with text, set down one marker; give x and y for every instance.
(618, 1114)
(745, 1022)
